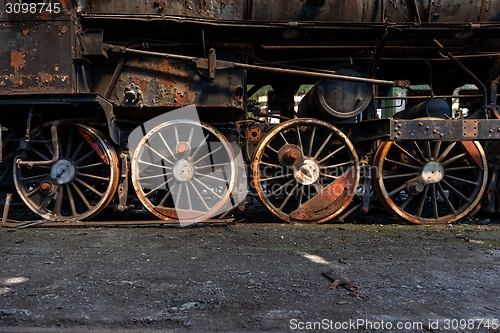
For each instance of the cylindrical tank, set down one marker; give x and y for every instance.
(434, 107)
(338, 99)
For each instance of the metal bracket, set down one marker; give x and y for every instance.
(470, 128)
(55, 149)
(212, 63)
(123, 185)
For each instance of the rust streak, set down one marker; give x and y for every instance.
(473, 152)
(16, 59)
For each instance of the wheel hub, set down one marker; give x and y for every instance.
(307, 173)
(433, 172)
(183, 170)
(63, 171)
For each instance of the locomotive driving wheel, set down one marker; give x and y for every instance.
(76, 184)
(430, 182)
(305, 170)
(184, 170)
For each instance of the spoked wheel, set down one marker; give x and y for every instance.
(305, 170)
(79, 184)
(430, 182)
(184, 170)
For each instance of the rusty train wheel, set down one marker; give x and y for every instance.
(184, 170)
(79, 184)
(430, 182)
(305, 170)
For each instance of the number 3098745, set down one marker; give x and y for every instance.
(32, 8)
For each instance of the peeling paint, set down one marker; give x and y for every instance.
(17, 59)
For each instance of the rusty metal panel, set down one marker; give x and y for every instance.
(36, 57)
(209, 9)
(445, 130)
(308, 10)
(157, 82)
(377, 11)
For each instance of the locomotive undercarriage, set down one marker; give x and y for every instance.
(67, 155)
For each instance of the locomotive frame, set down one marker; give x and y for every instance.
(77, 82)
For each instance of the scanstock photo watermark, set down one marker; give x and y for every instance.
(446, 324)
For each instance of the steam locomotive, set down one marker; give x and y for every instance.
(80, 78)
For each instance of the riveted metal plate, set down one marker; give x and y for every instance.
(470, 128)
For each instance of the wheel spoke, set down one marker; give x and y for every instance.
(401, 175)
(331, 154)
(208, 154)
(42, 176)
(199, 147)
(288, 197)
(93, 176)
(158, 154)
(77, 150)
(156, 188)
(462, 180)
(409, 166)
(81, 195)
(284, 139)
(203, 175)
(208, 188)
(71, 200)
(407, 201)
(155, 176)
(421, 204)
(457, 192)
(407, 154)
(93, 165)
(200, 196)
(322, 146)
(445, 198)
(311, 142)
(85, 157)
(79, 181)
(69, 145)
(446, 152)
(419, 152)
(453, 159)
(397, 190)
(434, 201)
(436, 150)
(166, 145)
(167, 195)
(280, 188)
(428, 150)
(43, 156)
(275, 177)
(299, 139)
(58, 200)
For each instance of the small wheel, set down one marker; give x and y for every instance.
(430, 182)
(305, 170)
(184, 170)
(79, 185)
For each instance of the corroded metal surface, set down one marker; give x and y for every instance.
(358, 11)
(37, 57)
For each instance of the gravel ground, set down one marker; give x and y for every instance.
(251, 276)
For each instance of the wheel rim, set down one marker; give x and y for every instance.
(79, 185)
(305, 170)
(430, 182)
(184, 170)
